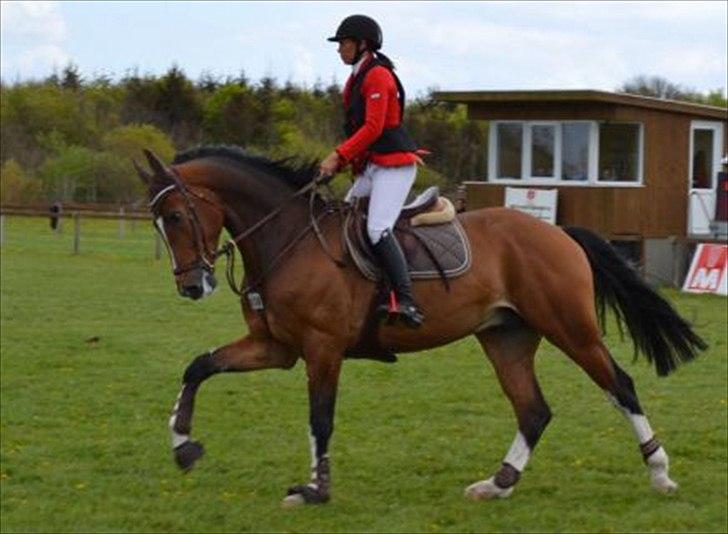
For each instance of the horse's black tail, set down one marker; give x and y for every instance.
(657, 330)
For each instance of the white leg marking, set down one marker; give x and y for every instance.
(640, 424)
(517, 456)
(519, 453)
(658, 462)
(177, 439)
(312, 444)
(295, 500)
(659, 465)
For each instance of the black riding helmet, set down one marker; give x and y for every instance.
(359, 27)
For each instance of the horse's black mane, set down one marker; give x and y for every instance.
(290, 170)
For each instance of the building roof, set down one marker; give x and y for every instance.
(581, 95)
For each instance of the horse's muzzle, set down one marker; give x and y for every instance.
(197, 284)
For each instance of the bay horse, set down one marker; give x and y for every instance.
(304, 300)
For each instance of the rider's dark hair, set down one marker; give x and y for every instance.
(385, 60)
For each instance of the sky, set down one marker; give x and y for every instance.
(450, 46)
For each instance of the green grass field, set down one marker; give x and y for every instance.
(85, 447)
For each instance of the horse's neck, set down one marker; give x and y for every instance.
(255, 200)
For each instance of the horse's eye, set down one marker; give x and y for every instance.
(174, 217)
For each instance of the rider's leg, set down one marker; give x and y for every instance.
(390, 186)
(362, 187)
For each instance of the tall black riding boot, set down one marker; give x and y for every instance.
(392, 261)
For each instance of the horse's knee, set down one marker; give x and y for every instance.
(201, 368)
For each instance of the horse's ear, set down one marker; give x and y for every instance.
(143, 174)
(161, 172)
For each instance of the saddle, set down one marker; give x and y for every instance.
(432, 239)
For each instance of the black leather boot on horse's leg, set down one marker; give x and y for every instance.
(391, 260)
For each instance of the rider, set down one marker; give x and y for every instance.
(382, 154)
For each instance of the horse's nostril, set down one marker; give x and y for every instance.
(192, 291)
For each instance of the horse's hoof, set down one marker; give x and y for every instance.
(486, 490)
(663, 484)
(299, 495)
(187, 454)
(293, 501)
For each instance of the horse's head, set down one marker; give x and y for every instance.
(189, 220)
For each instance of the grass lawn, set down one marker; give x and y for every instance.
(93, 348)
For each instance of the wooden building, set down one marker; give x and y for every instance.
(633, 168)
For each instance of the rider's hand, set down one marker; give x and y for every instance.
(330, 165)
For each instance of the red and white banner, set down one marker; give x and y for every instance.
(708, 271)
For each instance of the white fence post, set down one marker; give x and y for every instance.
(121, 222)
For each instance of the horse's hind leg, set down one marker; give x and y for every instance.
(246, 354)
(511, 348)
(619, 388)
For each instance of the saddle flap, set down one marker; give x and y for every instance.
(430, 251)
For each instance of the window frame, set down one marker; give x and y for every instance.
(527, 156)
(526, 177)
(640, 156)
(493, 151)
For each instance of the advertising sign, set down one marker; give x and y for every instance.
(541, 203)
(708, 270)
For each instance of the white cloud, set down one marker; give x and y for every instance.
(39, 20)
(44, 58)
(579, 46)
(303, 67)
(33, 38)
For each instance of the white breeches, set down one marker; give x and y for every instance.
(387, 189)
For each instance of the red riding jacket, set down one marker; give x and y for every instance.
(379, 91)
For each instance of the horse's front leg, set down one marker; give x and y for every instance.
(246, 354)
(323, 363)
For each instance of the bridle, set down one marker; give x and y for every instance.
(206, 258)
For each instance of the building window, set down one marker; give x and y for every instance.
(543, 150)
(509, 143)
(575, 151)
(572, 152)
(619, 152)
(702, 159)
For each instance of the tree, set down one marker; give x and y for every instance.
(232, 116)
(80, 174)
(27, 113)
(208, 82)
(71, 78)
(128, 141)
(658, 87)
(15, 187)
(178, 106)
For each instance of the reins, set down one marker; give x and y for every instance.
(228, 249)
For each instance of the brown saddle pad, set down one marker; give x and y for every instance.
(431, 251)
